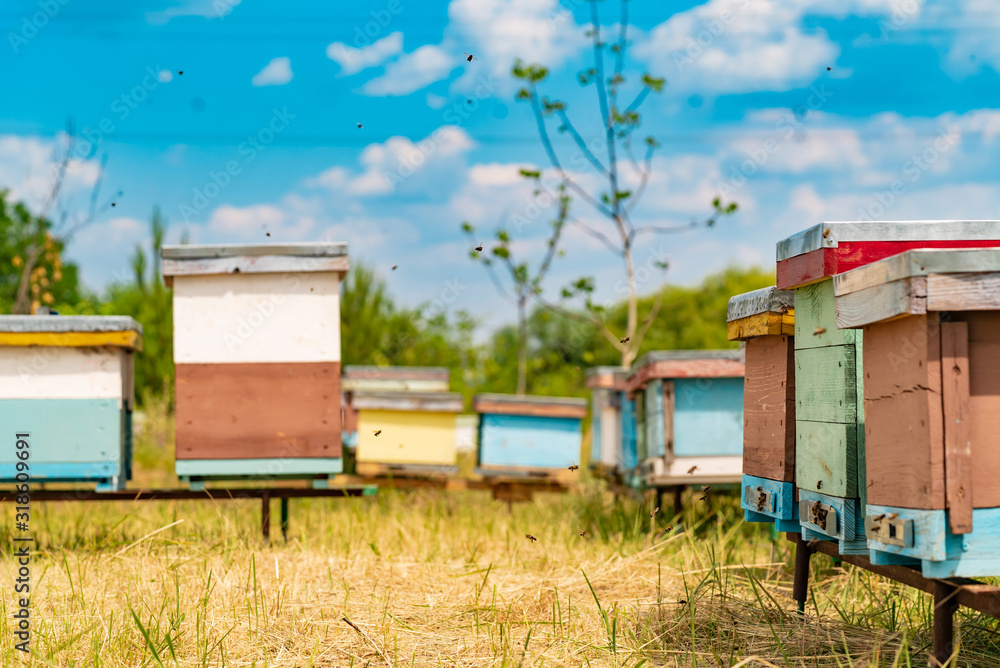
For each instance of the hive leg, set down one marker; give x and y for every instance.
(800, 585)
(284, 518)
(265, 516)
(945, 605)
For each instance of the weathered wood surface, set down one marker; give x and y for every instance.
(769, 409)
(258, 411)
(529, 442)
(765, 300)
(773, 498)
(815, 318)
(253, 265)
(722, 367)
(957, 443)
(708, 417)
(707, 470)
(300, 249)
(257, 318)
(984, 404)
(826, 458)
(64, 373)
(68, 324)
(638, 403)
(128, 340)
(407, 437)
(655, 437)
(963, 292)
(607, 377)
(826, 385)
(363, 372)
(835, 234)
(762, 324)
(902, 403)
(879, 303)
(669, 417)
(923, 262)
(434, 402)
(484, 406)
(859, 394)
(844, 523)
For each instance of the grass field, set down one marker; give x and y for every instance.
(447, 579)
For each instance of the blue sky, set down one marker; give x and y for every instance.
(800, 110)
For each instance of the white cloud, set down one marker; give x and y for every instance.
(496, 32)
(436, 101)
(352, 59)
(412, 72)
(207, 9)
(278, 72)
(29, 168)
(726, 46)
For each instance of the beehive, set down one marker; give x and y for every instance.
(765, 321)
(688, 415)
(529, 433)
(257, 359)
(931, 323)
(830, 433)
(412, 430)
(385, 379)
(68, 382)
(607, 385)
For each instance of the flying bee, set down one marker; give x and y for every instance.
(378, 431)
(583, 534)
(692, 470)
(655, 510)
(819, 484)
(625, 340)
(479, 248)
(704, 498)
(706, 488)
(394, 267)
(892, 516)
(819, 331)
(530, 537)
(469, 57)
(878, 518)
(360, 126)
(573, 467)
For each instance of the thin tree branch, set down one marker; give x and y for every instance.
(639, 99)
(643, 181)
(599, 236)
(648, 322)
(581, 143)
(560, 222)
(659, 229)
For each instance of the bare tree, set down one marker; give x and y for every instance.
(615, 202)
(41, 238)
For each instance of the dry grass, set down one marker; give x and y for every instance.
(429, 579)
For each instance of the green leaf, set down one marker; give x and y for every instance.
(655, 84)
(467, 228)
(501, 251)
(530, 173)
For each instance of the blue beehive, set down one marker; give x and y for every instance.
(66, 382)
(688, 415)
(528, 434)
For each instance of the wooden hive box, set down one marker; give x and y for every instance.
(385, 379)
(765, 321)
(257, 359)
(607, 385)
(931, 323)
(688, 416)
(68, 383)
(830, 432)
(529, 434)
(406, 430)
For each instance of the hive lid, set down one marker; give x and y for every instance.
(295, 249)
(70, 331)
(513, 404)
(921, 262)
(199, 260)
(397, 372)
(685, 356)
(831, 234)
(441, 402)
(765, 300)
(610, 377)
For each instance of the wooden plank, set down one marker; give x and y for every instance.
(529, 441)
(691, 368)
(859, 393)
(826, 458)
(931, 540)
(485, 407)
(957, 443)
(435, 402)
(275, 467)
(406, 437)
(907, 296)
(902, 411)
(258, 411)
(64, 430)
(707, 470)
(765, 300)
(826, 385)
(984, 404)
(638, 403)
(127, 339)
(769, 409)
(655, 438)
(762, 324)
(263, 318)
(815, 318)
(708, 417)
(668, 409)
(262, 264)
(963, 292)
(805, 269)
(778, 501)
(923, 262)
(62, 373)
